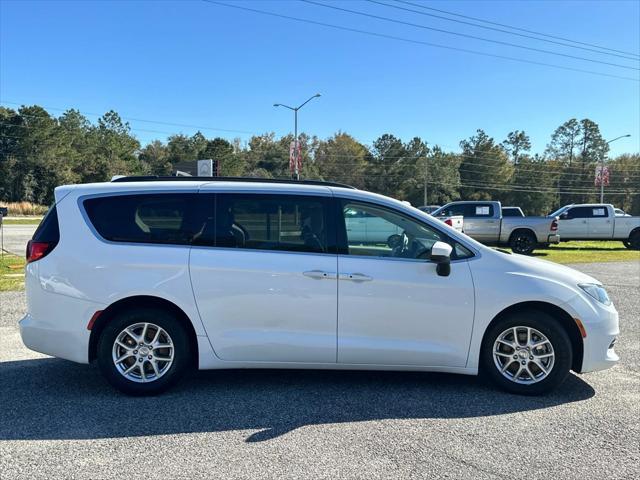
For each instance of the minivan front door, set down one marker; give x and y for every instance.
(393, 308)
(264, 278)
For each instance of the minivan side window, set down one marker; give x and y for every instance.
(290, 223)
(388, 233)
(149, 218)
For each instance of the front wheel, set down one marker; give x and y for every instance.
(527, 353)
(633, 243)
(143, 351)
(523, 242)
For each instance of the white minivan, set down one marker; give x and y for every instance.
(152, 276)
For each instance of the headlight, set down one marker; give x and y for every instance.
(596, 291)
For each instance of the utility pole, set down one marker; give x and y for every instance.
(602, 166)
(426, 173)
(296, 161)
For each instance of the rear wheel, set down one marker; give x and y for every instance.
(143, 351)
(633, 242)
(523, 242)
(527, 353)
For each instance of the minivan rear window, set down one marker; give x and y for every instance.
(48, 230)
(150, 218)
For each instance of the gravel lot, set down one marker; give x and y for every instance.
(61, 420)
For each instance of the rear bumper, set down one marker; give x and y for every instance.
(43, 337)
(554, 238)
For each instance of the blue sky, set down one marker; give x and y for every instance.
(196, 63)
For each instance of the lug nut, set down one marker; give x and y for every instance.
(531, 357)
(515, 357)
(149, 357)
(523, 362)
(140, 359)
(135, 352)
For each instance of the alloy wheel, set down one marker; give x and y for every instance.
(143, 352)
(523, 355)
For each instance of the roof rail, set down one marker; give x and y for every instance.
(158, 178)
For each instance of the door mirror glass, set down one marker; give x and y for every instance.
(564, 215)
(441, 255)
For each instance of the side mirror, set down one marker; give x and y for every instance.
(441, 255)
(564, 215)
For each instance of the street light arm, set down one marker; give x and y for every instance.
(285, 106)
(315, 96)
(618, 138)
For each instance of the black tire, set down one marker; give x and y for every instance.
(174, 371)
(634, 241)
(523, 242)
(554, 333)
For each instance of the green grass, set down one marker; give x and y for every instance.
(587, 252)
(22, 221)
(11, 273)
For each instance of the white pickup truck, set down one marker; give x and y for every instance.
(597, 221)
(484, 222)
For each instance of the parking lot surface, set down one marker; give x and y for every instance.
(16, 237)
(61, 420)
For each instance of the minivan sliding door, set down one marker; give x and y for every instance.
(264, 278)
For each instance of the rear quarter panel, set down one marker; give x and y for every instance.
(106, 272)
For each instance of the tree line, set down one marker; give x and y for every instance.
(39, 151)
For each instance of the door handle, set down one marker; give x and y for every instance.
(584, 221)
(356, 277)
(319, 274)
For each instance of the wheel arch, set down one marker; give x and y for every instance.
(566, 322)
(142, 301)
(633, 232)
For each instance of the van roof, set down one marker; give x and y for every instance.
(157, 178)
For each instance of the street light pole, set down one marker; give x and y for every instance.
(602, 166)
(296, 173)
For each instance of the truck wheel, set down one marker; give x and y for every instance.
(523, 242)
(634, 241)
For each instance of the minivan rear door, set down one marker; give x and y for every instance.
(264, 274)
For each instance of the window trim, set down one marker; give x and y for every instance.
(343, 244)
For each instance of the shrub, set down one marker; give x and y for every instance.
(20, 209)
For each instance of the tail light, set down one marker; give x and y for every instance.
(38, 250)
(45, 238)
(449, 222)
(554, 225)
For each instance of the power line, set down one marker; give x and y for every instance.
(464, 35)
(139, 120)
(417, 42)
(514, 28)
(625, 55)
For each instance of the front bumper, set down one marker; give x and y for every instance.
(599, 351)
(554, 238)
(601, 326)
